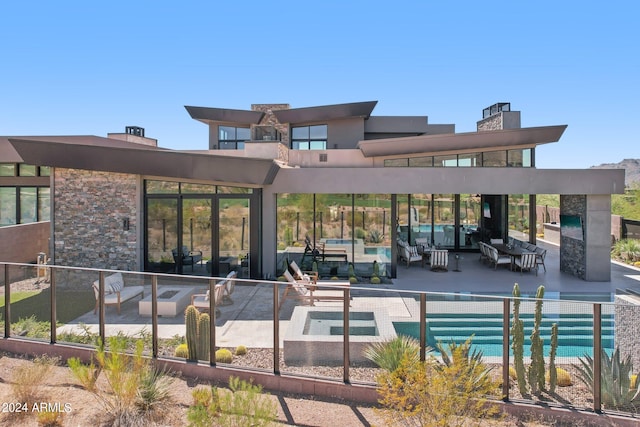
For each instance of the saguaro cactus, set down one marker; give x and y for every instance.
(536, 369)
(204, 336)
(191, 320)
(517, 343)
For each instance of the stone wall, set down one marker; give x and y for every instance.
(490, 123)
(572, 251)
(90, 210)
(627, 327)
(270, 119)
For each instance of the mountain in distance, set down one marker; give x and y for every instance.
(632, 166)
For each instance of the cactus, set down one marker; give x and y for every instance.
(375, 280)
(241, 350)
(314, 266)
(536, 368)
(181, 351)
(553, 373)
(191, 319)
(351, 270)
(517, 343)
(376, 269)
(204, 336)
(224, 356)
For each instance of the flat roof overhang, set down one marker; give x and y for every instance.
(461, 141)
(108, 155)
(326, 112)
(460, 180)
(208, 115)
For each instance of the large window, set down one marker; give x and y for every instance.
(232, 138)
(22, 205)
(309, 137)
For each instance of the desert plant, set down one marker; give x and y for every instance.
(191, 320)
(204, 336)
(468, 363)
(429, 394)
(133, 390)
(388, 354)
(224, 356)
(27, 386)
(49, 418)
(246, 404)
(181, 351)
(353, 280)
(375, 236)
(205, 407)
(376, 269)
(536, 368)
(553, 372)
(517, 342)
(563, 377)
(615, 380)
(241, 350)
(627, 249)
(375, 280)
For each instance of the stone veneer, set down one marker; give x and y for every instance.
(572, 251)
(89, 210)
(490, 123)
(627, 327)
(270, 119)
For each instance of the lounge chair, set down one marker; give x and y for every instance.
(202, 301)
(297, 289)
(439, 260)
(229, 286)
(527, 261)
(298, 274)
(484, 252)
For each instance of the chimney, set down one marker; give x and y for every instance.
(498, 117)
(134, 134)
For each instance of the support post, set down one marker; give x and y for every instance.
(423, 327)
(276, 329)
(506, 309)
(54, 335)
(597, 357)
(154, 316)
(346, 357)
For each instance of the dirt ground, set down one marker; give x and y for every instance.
(82, 409)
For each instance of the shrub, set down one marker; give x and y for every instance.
(241, 350)
(133, 390)
(243, 404)
(388, 355)
(181, 351)
(28, 380)
(224, 356)
(429, 394)
(460, 359)
(627, 250)
(375, 280)
(50, 418)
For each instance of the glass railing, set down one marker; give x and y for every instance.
(327, 330)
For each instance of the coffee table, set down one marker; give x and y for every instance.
(171, 301)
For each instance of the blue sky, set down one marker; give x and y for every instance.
(79, 67)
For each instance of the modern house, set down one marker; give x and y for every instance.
(276, 178)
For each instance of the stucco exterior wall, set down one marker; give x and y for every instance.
(90, 210)
(23, 242)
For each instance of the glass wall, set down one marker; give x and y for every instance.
(201, 229)
(23, 205)
(519, 216)
(334, 230)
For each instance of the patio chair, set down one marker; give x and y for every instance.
(484, 252)
(202, 303)
(297, 290)
(439, 260)
(408, 253)
(497, 259)
(298, 274)
(540, 256)
(187, 257)
(527, 261)
(229, 286)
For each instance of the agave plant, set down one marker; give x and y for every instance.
(615, 379)
(388, 355)
(627, 249)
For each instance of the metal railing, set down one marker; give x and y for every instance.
(353, 316)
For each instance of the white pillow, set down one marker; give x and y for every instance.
(206, 297)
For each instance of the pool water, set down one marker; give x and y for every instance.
(575, 332)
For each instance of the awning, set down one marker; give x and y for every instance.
(326, 112)
(461, 141)
(109, 155)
